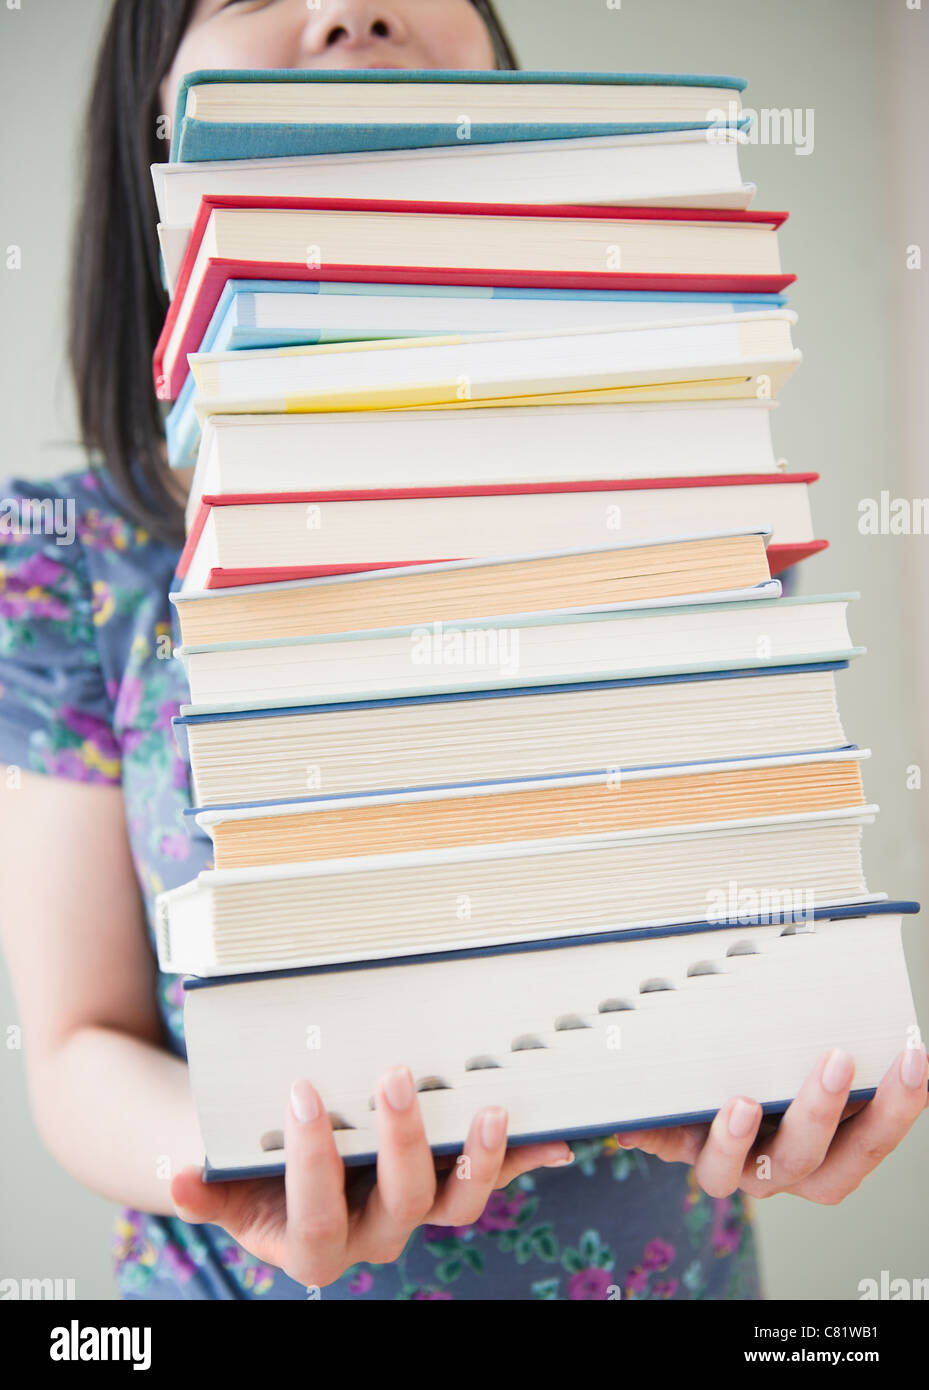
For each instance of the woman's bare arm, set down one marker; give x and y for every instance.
(111, 1104)
(116, 1110)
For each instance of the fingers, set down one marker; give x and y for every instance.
(406, 1181)
(485, 1164)
(671, 1143)
(806, 1130)
(464, 1193)
(728, 1153)
(525, 1157)
(863, 1141)
(252, 1212)
(314, 1182)
(198, 1201)
(304, 1225)
(721, 1160)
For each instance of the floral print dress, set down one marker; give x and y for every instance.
(88, 688)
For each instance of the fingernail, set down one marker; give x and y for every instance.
(398, 1088)
(186, 1215)
(560, 1162)
(493, 1127)
(626, 1141)
(837, 1072)
(913, 1066)
(304, 1102)
(742, 1118)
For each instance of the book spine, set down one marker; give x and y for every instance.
(200, 140)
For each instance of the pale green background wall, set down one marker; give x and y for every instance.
(856, 411)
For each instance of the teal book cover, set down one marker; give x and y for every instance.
(195, 140)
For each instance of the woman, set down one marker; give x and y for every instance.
(87, 695)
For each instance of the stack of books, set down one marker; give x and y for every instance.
(518, 765)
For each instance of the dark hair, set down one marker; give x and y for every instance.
(504, 57)
(117, 302)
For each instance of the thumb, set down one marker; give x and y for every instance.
(226, 1204)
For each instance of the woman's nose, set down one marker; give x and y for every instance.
(340, 33)
(352, 24)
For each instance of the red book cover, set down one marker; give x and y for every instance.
(169, 376)
(780, 557)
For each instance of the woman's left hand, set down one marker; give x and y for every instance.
(821, 1148)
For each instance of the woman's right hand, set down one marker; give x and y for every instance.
(308, 1225)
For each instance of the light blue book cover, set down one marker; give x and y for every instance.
(238, 324)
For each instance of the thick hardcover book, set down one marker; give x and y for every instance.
(700, 567)
(781, 553)
(401, 903)
(716, 100)
(381, 746)
(678, 169)
(196, 719)
(573, 1037)
(204, 276)
(526, 649)
(215, 813)
(191, 717)
(330, 827)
